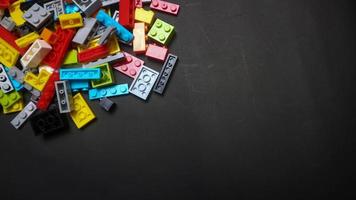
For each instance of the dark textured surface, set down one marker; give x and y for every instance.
(261, 106)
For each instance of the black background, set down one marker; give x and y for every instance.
(261, 105)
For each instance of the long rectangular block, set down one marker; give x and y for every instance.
(5, 82)
(164, 6)
(35, 54)
(127, 13)
(109, 59)
(165, 73)
(115, 90)
(143, 83)
(85, 32)
(64, 96)
(21, 118)
(80, 74)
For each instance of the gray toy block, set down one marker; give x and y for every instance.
(166, 72)
(64, 96)
(143, 83)
(88, 6)
(55, 6)
(5, 83)
(85, 32)
(109, 59)
(109, 2)
(106, 35)
(18, 75)
(21, 118)
(106, 104)
(7, 23)
(37, 16)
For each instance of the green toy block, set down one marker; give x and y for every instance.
(8, 99)
(161, 32)
(107, 77)
(71, 57)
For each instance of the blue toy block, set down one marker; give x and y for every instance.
(123, 34)
(17, 85)
(115, 90)
(71, 8)
(80, 74)
(80, 85)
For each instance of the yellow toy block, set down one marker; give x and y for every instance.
(146, 16)
(38, 82)
(71, 57)
(16, 107)
(82, 114)
(72, 20)
(9, 54)
(113, 45)
(16, 13)
(139, 42)
(26, 40)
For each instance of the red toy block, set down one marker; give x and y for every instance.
(10, 38)
(165, 6)
(48, 92)
(93, 54)
(130, 66)
(156, 52)
(59, 48)
(4, 3)
(127, 13)
(138, 3)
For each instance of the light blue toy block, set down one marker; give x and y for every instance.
(81, 85)
(123, 34)
(17, 85)
(80, 74)
(115, 90)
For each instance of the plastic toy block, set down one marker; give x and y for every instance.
(139, 42)
(2, 12)
(106, 35)
(71, 8)
(99, 30)
(9, 54)
(145, 16)
(16, 13)
(165, 73)
(156, 52)
(59, 48)
(80, 74)
(48, 122)
(36, 16)
(109, 59)
(5, 83)
(64, 96)
(19, 76)
(106, 104)
(86, 31)
(17, 85)
(79, 85)
(21, 118)
(88, 6)
(35, 54)
(93, 54)
(4, 3)
(107, 77)
(48, 92)
(8, 99)
(38, 82)
(111, 91)
(165, 6)
(55, 6)
(7, 36)
(116, 16)
(112, 44)
(7, 23)
(82, 114)
(71, 57)
(138, 3)
(109, 2)
(27, 40)
(127, 13)
(73, 20)
(161, 32)
(16, 107)
(123, 34)
(48, 36)
(130, 66)
(143, 83)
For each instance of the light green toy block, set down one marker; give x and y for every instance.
(107, 77)
(71, 57)
(8, 99)
(161, 32)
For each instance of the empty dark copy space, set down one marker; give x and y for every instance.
(261, 106)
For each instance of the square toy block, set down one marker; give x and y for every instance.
(88, 6)
(143, 83)
(5, 82)
(145, 16)
(165, 6)
(16, 107)
(27, 40)
(82, 114)
(107, 77)
(48, 92)
(35, 54)
(112, 44)
(17, 85)
(7, 23)
(8, 99)
(16, 13)
(48, 122)
(80, 73)
(85, 32)
(161, 32)
(130, 66)
(156, 52)
(109, 59)
(127, 13)
(37, 16)
(64, 96)
(9, 54)
(71, 57)
(166, 72)
(139, 42)
(123, 34)
(55, 6)
(73, 20)
(106, 104)
(38, 82)
(115, 90)
(79, 85)
(93, 54)
(21, 118)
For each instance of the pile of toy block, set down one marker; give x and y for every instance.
(52, 51)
